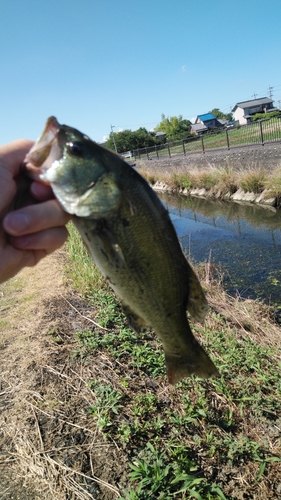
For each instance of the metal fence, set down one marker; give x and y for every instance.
(260, 132)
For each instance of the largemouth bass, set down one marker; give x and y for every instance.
(131, 239)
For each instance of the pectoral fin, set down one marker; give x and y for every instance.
(110, 249)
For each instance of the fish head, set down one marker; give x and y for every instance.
(76, 168)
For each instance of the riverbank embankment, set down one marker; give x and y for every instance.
(246, 174)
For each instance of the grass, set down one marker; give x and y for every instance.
(254, 181)
(273, 184)
(204, 439)
(217, 180)
(82, 264)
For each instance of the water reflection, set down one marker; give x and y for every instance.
(245, 240)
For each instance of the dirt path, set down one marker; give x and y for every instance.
(46, 438)
(22, 305)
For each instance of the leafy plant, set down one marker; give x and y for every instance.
(107, 403)
(158, 477)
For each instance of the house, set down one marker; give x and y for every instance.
(198, 128)
(243, 111)
(205, 122)
(160, 137)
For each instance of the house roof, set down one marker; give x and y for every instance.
(253, 102)
(159, 132)
(206, 117)
(222, 121)
(198, 127)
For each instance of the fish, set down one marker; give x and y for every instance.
(131, 239)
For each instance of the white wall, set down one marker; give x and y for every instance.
(239, 116)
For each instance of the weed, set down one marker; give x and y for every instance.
(151, 179)
(54, 333)
(144, 404)
(107, 403)
(206, 179)
(180, 180)
(150, 176)
(157, 476)
(227, 181)
(254, 181)
(273, 183)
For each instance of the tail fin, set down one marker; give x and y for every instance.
(194, 362)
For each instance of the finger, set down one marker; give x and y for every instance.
(41, 192)
(48, 240)
(13, 154)
(35, 218)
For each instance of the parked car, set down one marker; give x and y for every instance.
(127, 154)
(231, 124)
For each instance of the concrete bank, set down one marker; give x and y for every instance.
(239, 196)
(267, 156)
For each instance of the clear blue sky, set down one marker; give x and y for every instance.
(93, 63)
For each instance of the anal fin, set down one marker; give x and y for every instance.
(136, 322)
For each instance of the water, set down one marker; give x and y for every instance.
(244, 241)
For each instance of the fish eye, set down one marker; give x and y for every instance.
(75, 148)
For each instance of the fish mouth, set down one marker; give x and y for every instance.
(44, 152)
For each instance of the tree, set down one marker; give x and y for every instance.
(175, 127)
(126, 140)
(220, 115)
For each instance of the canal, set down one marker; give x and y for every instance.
(242, 241)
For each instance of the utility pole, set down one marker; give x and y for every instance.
(112, 126)
(254, 95)
(270, 89)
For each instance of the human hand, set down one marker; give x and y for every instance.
(31, 232)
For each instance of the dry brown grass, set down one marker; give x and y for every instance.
(219, 180)
(252, 318)
(50, 449)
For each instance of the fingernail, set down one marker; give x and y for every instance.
(16, 223)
